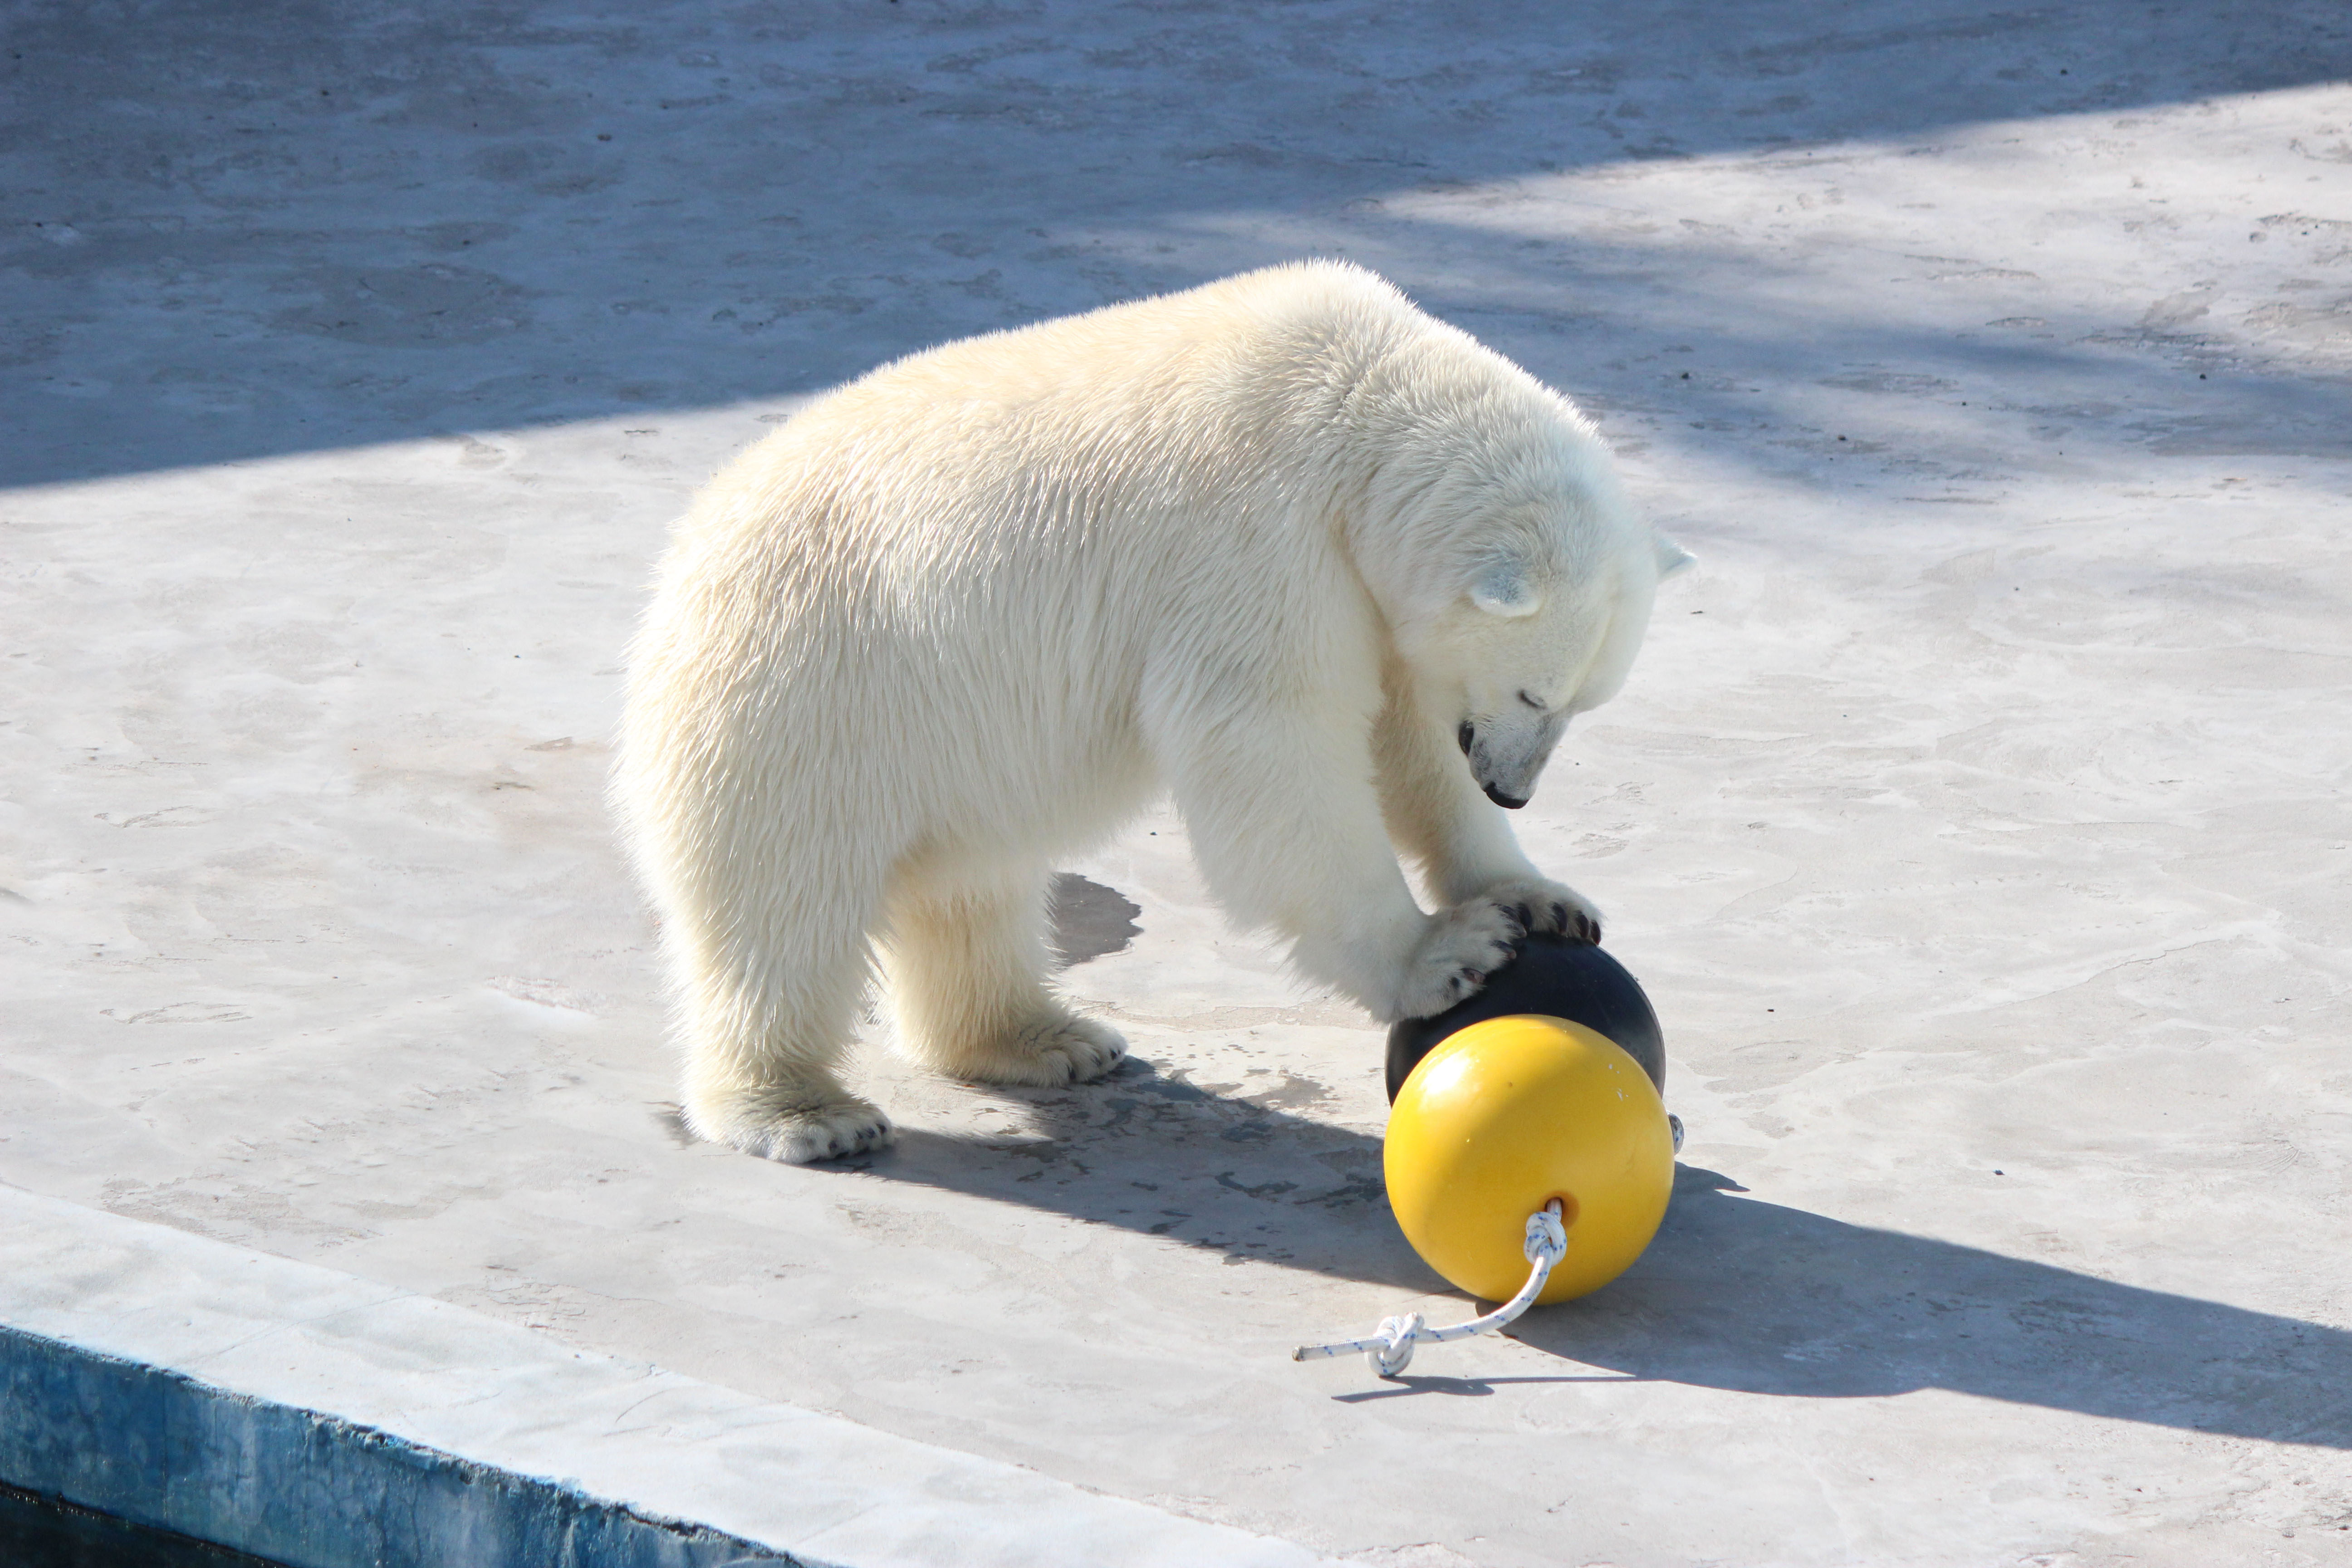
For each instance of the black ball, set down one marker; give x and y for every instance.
(1558, 979)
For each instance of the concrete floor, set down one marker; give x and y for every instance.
(1976, 815)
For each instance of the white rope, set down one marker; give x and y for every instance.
(1390, 1352)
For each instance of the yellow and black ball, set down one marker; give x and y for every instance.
(1504, 1116)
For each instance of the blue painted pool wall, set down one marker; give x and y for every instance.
(305, 1488)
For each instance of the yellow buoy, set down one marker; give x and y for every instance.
(1511, 1112)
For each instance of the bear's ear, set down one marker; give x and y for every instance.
(1672, 558)
(1503, 589)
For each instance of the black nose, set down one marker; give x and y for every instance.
(1464, 736)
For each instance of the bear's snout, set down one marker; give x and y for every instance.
(1466, 737)
(1506, 754)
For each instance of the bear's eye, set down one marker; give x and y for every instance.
(1531, 701)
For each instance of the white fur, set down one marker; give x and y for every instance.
(1273, 545)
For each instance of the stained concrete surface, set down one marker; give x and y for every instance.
(1976, 815)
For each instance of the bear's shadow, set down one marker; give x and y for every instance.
(1734, 1293)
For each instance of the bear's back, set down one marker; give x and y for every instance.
(1159, 431)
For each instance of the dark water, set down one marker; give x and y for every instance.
(43, 1533)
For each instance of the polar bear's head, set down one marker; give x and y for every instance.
(1511, 571)
(1526, 649)
(1522, 606)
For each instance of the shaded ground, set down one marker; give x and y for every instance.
(287, 226)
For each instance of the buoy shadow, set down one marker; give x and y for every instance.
(1738, 1293)
(1734, 1293)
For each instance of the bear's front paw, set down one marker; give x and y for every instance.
(1463, 945)
(1545, 905)
(1048, 1052)
(787, 1126)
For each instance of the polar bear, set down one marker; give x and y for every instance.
(1324, 569)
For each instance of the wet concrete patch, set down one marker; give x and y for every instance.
(1089, 919)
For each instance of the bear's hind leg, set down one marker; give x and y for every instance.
(967, 985)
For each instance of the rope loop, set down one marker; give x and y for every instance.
(1546, 1241)
(1394, 1351)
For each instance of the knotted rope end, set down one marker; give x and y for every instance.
(1390, 1352)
